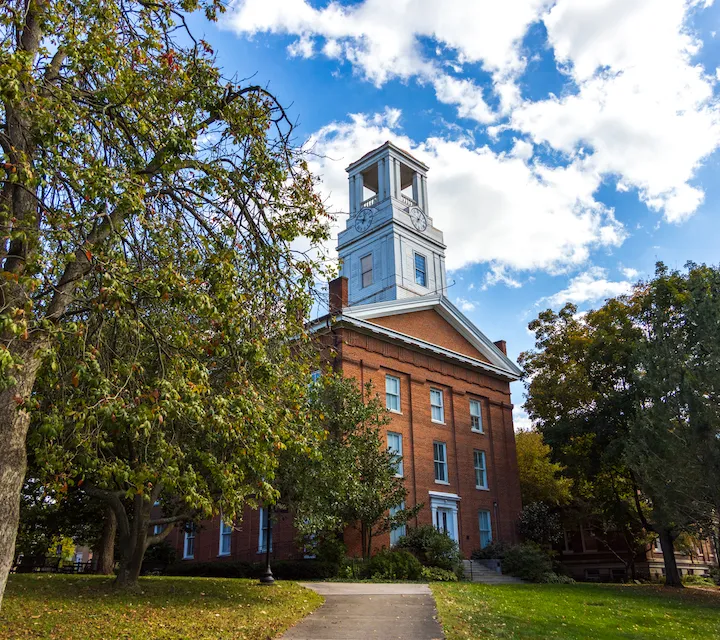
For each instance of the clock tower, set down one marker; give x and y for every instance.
(389, 249)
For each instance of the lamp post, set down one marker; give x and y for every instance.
(267, 576)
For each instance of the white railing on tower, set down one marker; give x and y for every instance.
(408, 201)
(370, 202)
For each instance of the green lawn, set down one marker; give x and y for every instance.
(86, 608)
(579, 611)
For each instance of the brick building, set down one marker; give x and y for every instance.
(446, 385)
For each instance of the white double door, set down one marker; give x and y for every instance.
(445, 515)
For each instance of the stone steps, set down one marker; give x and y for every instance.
(476, 572)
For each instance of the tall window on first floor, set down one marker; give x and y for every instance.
(395, 447)
(157, 529)
(366, 270)
(475, 416)
(225, 538)
(397, 532)
(480, 470)
(189, 543)
(264, 531)
(392, 393)
(485, 529)
(440, 459)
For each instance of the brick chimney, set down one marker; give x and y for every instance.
(502, 345)
(338, 294)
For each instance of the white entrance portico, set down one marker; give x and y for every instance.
(444, 508)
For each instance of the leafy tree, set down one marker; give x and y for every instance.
(135, 179)
(588, 395)
(540, 524)
(351, 481)
(541, 479)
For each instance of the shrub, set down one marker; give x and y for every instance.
(556, 578)
(432, 548)
(699, 581)
(493, 551)
(526, 561)
(282, 569)
(330, 549)
(303, 569)
(396, 564)
(211, 569)
(435, 574)
(158, 557)
(715, 575)
(353, 568)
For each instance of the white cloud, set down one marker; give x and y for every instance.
(643, 110)
(630, 273)
(590, 286)
(636, 107)
(521, 420)
(465, 305)
(492, 208)
(498, 274)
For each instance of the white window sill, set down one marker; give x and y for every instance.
(399, 475)
(437, 421)
(477, 430)
(264, 551)
(188, 557)
(223, 555)
(482, 488)
(395, 411)
(442, 482)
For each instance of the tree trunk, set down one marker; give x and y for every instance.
(14, 423)
(134, 545)
(106, 552)
(672, 575)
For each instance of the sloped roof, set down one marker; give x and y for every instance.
(362, 316)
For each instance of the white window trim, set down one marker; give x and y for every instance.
(441, 405)
(399, 395)
(262, 512)
(479, 404)
(187, 556)
(444, 462)
(222, 528)
(401, 470)
(483, 468)
(372, 271)
(157, 529)
(415, 270)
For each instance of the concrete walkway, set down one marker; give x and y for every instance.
(362, 611)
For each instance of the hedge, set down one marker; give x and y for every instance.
(282, 569)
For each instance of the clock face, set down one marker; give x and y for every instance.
(364, 219)
(419, 219)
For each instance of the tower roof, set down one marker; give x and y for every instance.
(387, 145)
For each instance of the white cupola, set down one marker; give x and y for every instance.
(389, 249)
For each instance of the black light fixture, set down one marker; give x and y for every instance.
(267, 576)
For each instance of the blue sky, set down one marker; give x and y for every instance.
(571, 143)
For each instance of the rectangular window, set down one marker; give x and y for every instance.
(485, 529)
(440, 459)
(420, 270)
(392, 393)
(315, 375)
(475, 416)
(437, 409)
(263, 536)
(366, 270)
(157, 529)
(189, 546)
(480, 470)
(225, 538)
(397, 532)
(395, 447)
